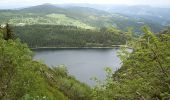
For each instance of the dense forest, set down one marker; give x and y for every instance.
(144, 75)
(69, 36)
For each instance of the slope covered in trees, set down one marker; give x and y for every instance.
(22, 78)
(145, 73)
(83, 17)
(68, 36)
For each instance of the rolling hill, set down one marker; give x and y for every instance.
(143, 12)
(79, 16)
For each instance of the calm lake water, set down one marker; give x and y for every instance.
(81, 63)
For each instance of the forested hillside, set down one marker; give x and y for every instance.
(22, 78)
(145, 73)
(69, 36)
(82, 17)
(159, 15)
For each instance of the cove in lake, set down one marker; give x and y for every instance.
(83, 64)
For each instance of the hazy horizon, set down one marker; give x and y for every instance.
(10, 4)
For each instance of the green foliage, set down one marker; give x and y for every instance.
(68, 36)
(145, 73)
(7, 33)
(19, 75)
(73, 89)
(22, 78)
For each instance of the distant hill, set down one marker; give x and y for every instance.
(154, 14)
(143, 12)
(87, 17)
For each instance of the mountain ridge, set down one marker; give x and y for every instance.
(80, 16)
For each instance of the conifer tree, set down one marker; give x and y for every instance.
(8, 33)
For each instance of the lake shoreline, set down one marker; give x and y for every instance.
(115, 46)
(83, 64)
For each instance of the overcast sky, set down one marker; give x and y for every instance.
(23, 3)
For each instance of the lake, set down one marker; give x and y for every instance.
(83, 64)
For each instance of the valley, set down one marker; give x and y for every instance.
(84, 51)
